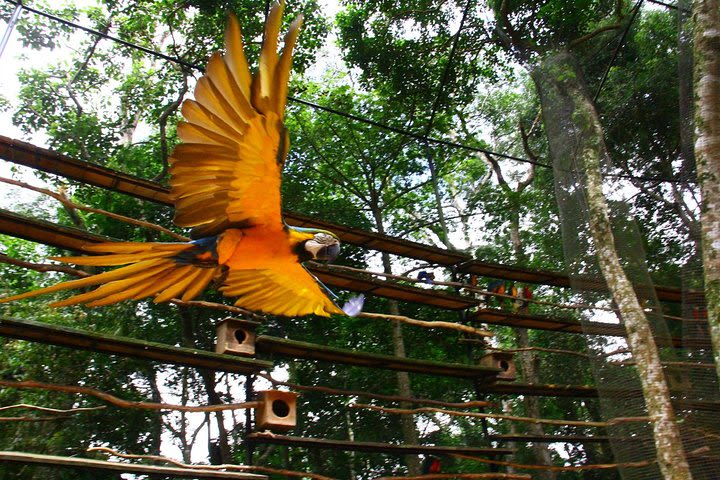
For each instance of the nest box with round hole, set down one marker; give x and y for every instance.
(502, 360)
(236, 337)
(277, 411)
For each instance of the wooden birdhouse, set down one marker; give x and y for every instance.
(502, 360)
(677, 379)
(277, 411)
(236, 337)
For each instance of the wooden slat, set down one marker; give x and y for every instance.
(557, 279)
(47, 233)
(526, 438)
(311, 351)
(377, 241)
(541, 390)
(373, 447)
(128, 347)
(569, 325)
(542, 322)
(24, 153)
(390, 289)
(136, 468)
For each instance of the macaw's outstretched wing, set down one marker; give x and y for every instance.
(226, 172)
(290, 291)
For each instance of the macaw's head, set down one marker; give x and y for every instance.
(324, 246)
(314, 244)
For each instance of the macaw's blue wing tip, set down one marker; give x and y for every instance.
(354, 306)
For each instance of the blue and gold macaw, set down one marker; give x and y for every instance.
(225, 182)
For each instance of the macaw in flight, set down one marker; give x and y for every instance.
(225, 183)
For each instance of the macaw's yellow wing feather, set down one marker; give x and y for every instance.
(227, 170)
(152, 270)
(282, 70)
(291, 291)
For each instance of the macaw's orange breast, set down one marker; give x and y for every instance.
(255, 248)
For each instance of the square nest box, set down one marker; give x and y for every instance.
(236, 337)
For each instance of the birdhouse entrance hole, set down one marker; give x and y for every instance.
(280, 408)
(240, 335)
(502, 360)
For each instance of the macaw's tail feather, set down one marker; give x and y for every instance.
(163, 269)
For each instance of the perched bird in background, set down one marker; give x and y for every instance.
(495, 286)
(528, 295)
(426, 277)
(515, 304)
(431, 464)
(225, 183)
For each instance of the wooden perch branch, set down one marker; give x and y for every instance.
(42, 267)
(237, 468)
(119, 402)
(61, 414)
(51, 410)
(450, 476)
(72, 205)
(217, 306)
(33, 419)
(553, 468)
(541, 421)
(427, 324)
(377, 396)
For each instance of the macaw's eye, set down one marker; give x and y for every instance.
(328, 253)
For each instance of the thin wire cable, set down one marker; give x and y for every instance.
(635, 11)
(668, 5)
(416, 136)
(448, 68)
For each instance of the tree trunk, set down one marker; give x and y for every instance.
(407, 422)
(540, 450)
(706, 14)
(576, 138)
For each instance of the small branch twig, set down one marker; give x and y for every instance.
(593, 34)
(119, 402)
(42, 267)
(51, 410)
(430, 324)
(216, 306)
(540, 421)
(237, 468)
(33, 419)
(72, 205)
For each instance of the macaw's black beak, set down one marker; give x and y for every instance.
(328, 253)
